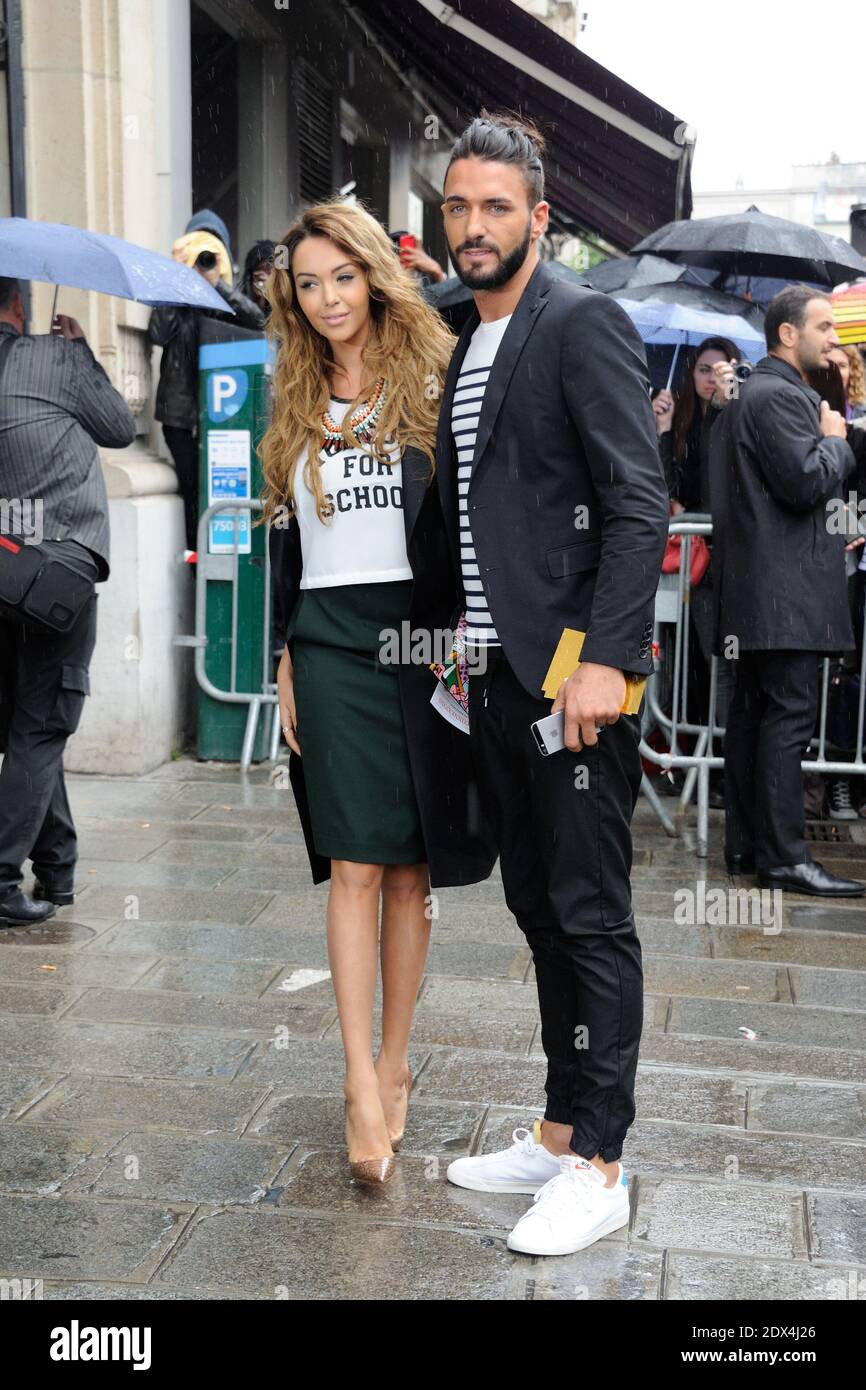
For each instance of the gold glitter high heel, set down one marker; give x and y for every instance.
(395, 1143)
(370, 1171)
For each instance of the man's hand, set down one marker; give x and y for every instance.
(832, 424)
(593, 696)
(63, 326)
(416, 258)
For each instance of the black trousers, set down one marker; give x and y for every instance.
(43, 684)
(183, 446)
(563, 826)
(771, 719)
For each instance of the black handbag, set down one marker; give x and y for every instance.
(39, 589)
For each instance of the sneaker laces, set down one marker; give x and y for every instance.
(573, 1184)
(524, 1139)
(840, 794)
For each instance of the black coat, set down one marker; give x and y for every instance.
(175, 328)
(567, 499)
(780, 568)
(460, 846)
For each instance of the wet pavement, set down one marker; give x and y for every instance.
(171, 1078)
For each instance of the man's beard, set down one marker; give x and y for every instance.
(502, 273)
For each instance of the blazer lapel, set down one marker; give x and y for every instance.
(416, 473)
(524, 319)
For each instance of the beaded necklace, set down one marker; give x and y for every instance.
(363, 421)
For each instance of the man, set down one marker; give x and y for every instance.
(779, 455)
(556, 508)
(205, 247)
(56, 405)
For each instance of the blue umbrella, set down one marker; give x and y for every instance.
(64, 255)
(663, 322)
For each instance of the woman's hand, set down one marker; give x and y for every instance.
(286, 693)
(663, 409)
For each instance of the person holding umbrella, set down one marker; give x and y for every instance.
(204, 247)
(56, 406)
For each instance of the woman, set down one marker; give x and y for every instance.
(684, 424)
(258, 265)
(358, 548)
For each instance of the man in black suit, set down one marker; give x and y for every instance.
(556, 510)
(778, 457)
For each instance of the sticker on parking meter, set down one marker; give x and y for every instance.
(228, 474)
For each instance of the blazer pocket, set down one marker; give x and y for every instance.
(571, 559)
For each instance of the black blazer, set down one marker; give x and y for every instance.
(567, 499)
(780, 569)
(460, 846)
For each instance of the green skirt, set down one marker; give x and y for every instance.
(350, 724)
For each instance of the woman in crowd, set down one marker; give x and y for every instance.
(258, 265)
(358, 548)
(684, 423)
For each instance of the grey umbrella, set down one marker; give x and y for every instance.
(754, 243)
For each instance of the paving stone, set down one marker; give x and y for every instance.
(485, 922)
(46, 1237)
(120, 1049)
(758, 1058)
(209, 941)
(155, 830)
(318, 1121)
(306, 1067)
(260, 1016)
(837, 1226)
(703, 1277)
(715, 979)
(608, 1270)
(212, 1107)
(671, 1095)
(835, 918)
(491, 999)
(796, 947)
(655, 1149)
(56, 1291)
(176, 904)
(40, 1159)
(301, 1257)
(476, 960)
(148, 1166)
(731, 1218)
(35, 999)
(793, 1023)
(138, 874)
(106, 845)
(72, 970)
(837, 1112)
(276, 858)
(490, 1079)
(19, 1088)
(833, 989)
(462, 1030)
(194, 976)
(667, 938)
(419, 1191)
(52, 935)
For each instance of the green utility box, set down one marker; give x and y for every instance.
(234, 375)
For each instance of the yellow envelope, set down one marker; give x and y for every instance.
(566, 660)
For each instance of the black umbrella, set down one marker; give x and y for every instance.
(754, 243)
(628, 272)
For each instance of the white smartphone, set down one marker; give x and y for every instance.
(549, 733)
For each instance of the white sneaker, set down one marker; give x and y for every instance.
(525, 1167)
(572, 1210)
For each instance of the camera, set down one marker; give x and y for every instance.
(206, 259)
(742, 371)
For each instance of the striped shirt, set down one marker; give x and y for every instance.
(465, 411)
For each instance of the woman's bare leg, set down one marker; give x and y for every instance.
(404, 943)
(353, 932)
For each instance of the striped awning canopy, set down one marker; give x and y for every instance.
(849, 312)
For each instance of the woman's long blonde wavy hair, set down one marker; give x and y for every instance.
(857, 379)
(409, 345)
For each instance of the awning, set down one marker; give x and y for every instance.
(617, 165)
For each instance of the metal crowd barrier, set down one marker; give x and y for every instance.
(671, 615)
(221, 568)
